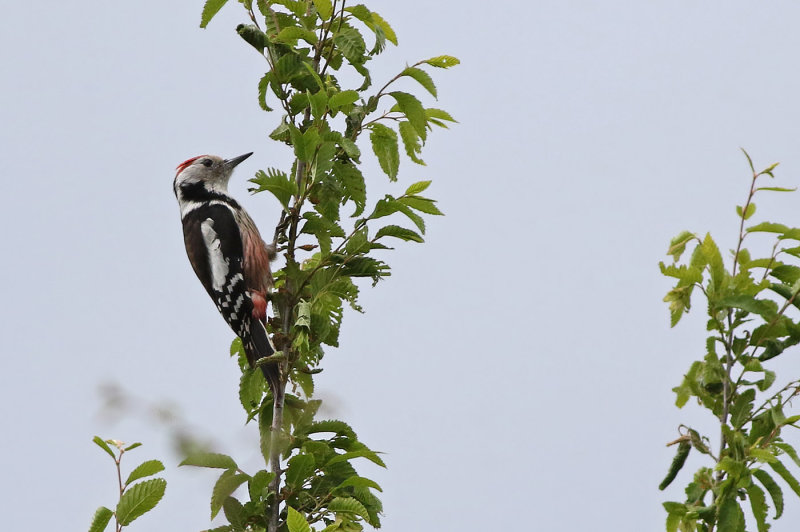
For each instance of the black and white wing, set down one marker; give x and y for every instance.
(215, 250)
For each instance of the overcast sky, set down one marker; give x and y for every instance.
(516, 368)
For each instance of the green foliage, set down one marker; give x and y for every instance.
(312, 50)
(135, 498)
(749, 306)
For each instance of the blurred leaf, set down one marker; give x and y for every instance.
(234, 513)
(751, 209)
(731, 518)
(348, 505)
(398, 232)
(342, 99)
(758, 503)
(784, 473)
(324, 8)
(213, 460)
(359, 482)
(140, 499)
(299, 469)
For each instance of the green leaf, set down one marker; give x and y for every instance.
(412, 108)
(777, 189)
(140, 499)
(305, 144)
(296, 522)
(387, 29)
(292, 34)
(399, 232)
(103, 445)
(359, 482)
(438, 116)
(677, 464)
(411, 141)
(385, 147)
(678, 244)
(227, 483)
(100, 520)
(758, 503)
(422, 77)
(348, 505)
(332, 425)
(251, 389)
(731, 518)
(788, 449)
(763, 307)
(351, 43)
(299, 469)
(417, 187)
(276, 183)
(210, 9)
(258, 484)
(428, 206)
(342, 99)
(324, 8)
(751, 209)
(234, 513)
(772, 488)
(353, 185)
(213, 460)
(442, 61)
(145, 469)
(133, 446)
(361, 453)
(784, 473)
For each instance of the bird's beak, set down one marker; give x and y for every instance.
(231, 163)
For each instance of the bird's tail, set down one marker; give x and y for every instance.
(260, 346)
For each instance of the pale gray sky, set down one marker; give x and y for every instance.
(516, 368)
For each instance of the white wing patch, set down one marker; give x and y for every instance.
(219, 264)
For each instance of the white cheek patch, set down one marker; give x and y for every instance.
(218, 263)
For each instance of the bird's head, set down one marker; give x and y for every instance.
(210, 172)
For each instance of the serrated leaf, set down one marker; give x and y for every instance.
(296, 522)
(351, 43)
(442, 61)
(428, 206)
(276, 183)
(436, 116)
(758, 503)
(411, 141)
(422, 77)
(359, 482)
(399, 232)
(415, 113)
(251, 389)
(263, 85)
(730, 518)
(210, 9)
(342, 99)
(103, 445)
(290, 35)
(416, 188)
(772, 488)
(788, 449)
(385, 147)
(324, 8)
(145, 469)
(348, 505)
(784, 473)
(100, 520)
(258, 483)
(361, 453)
(139, 500)
(331, 425)
(234, 513)
(383, 25)
(212, 460)
(299, 469)
(227, 483)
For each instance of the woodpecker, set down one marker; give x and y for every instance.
(227, 252)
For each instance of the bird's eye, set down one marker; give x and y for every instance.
(206, 162)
